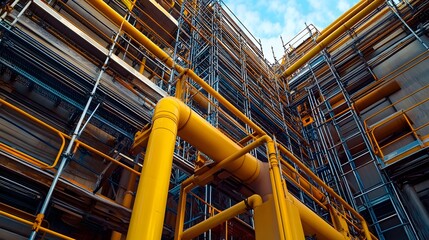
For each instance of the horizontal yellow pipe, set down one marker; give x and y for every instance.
(239, 208)
(119, 20)
(342, 19)
(43, 229)
(246, 173)
(327, 40)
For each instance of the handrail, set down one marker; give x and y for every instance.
(35, 224)
(45, 125)
(413, 130)
(63, 136)
(328, 189)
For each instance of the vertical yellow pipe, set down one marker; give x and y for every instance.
(279, 194)
(151, 198)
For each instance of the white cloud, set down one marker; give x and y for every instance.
(268, 21)
(343, 5)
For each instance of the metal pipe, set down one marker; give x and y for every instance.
(171, 114)
(252, 202)
(314, 225)
(325, 42)
(74, 137)
(197, 136)
(21, 12)
(342, 19)
(6, 12)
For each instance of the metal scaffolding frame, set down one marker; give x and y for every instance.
(316, 118)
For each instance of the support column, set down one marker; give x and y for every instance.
(417, 210)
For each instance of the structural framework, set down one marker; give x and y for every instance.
(162, 119)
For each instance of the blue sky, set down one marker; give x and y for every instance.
(268, 20)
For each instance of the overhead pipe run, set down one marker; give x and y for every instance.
(173, 117)
(250, 203)
(176, 118)
(331, 37)
(342, 19)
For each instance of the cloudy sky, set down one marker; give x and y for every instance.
(268, 20)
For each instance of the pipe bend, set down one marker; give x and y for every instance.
(254, 201)
(174, 109)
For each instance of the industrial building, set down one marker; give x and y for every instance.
(162, 119)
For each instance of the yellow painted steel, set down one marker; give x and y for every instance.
(41, 123)
(329, 190)
(252, 202)
(342, 19)
(151, 198)
(128, 199)
(170, 115)
(181, 207)
(314, 225)
(296, 226)
(283, 221)
(43, 229)
(331, 37)
(339, 221)
(265, 224)
(195, 131)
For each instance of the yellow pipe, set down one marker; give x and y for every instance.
(202, 176)
(342, 19)
(279, 193)
(313, 224)
(250, 203)
(181, 207)
(117, 19)
(158, 52)
(43, 229)
(128, 199)
(149, 207)
(325, 42)
(328, 189)
(170, 113)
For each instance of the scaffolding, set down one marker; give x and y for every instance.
(80, 81)
(341, 96)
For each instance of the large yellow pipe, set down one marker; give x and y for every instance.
(313, 224)
(171, 117)
(150, 203)
(164, 57)
(327, 40)
(159, 53)
(149, 208)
